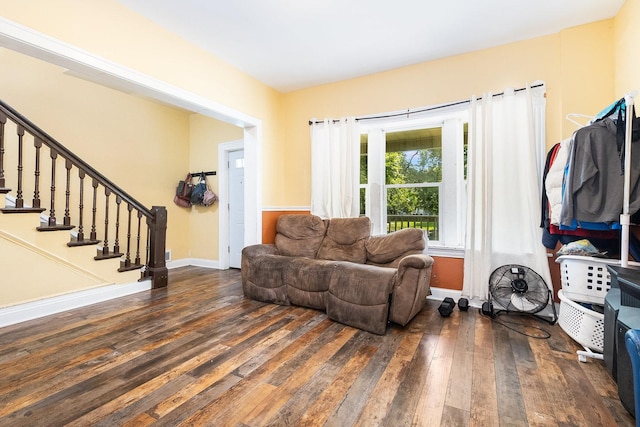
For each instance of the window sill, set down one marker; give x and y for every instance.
(446, 252)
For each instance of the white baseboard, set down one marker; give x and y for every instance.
(47, 306)
(439, 294)
(196, 262)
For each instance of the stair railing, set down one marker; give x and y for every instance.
(153, 236)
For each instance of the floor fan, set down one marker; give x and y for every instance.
(519, 289)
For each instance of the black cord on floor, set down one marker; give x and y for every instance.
(544, 333)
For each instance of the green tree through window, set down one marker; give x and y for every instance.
(412, 176)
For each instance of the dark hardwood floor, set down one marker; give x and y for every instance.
(199, 353)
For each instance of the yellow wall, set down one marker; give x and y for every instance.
(587, 72)
(576, 82)
(141, 146)
(59, 278)
(206, 134)
(112, 31)
(627, 59)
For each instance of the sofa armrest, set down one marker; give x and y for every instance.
(411, 288)
(417, 261)
(253, 251)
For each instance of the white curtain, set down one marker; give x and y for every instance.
(335, 168)
(506, 145)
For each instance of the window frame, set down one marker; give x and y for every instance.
(452, 187)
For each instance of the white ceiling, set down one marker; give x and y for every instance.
(294, 44)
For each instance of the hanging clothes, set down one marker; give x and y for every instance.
(554, 178)
(594, 182)
(611, 110)
(552, 181)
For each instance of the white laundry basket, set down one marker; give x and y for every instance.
(581, 323)
(586, 279)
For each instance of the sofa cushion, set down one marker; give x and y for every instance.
(299, 235)
(345, 240)
(307, 281)
(262, 278)
(388, 250)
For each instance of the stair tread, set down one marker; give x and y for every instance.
(55, 227)
(84, 242)
(131, 267)
(22, 210)
(110, 255)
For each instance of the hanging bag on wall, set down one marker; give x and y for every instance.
(197, 194)
(209, 197)
(183, 192)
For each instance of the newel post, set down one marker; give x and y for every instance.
(157, 267)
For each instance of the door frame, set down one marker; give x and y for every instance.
(227, 231)
(252, 221)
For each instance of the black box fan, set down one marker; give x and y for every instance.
(519, 289)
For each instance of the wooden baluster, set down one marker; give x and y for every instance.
(116, 242)
(52, 224)
(138, 244)
(128, 258)
(106, 253)
(126, 263)
(19, 203)
(80, 240)
(80, 236)
(37, 143)
(146, 273)
(3, 121)
(105, 242)
(67, 217)
(81, 206)
(52, 210)
(94, 184)
(19, 199)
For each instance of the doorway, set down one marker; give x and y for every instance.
(236, 207)
(239, 223)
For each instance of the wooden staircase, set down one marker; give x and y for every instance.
(82, 201)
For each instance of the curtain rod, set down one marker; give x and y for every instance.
(423, 110)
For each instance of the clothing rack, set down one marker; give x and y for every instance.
(424, 110)
(210, 173)
(625, 218)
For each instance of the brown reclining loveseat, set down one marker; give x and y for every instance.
(336, 265)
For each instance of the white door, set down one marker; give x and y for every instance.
(236, 207)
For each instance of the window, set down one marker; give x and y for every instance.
(412, 175)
